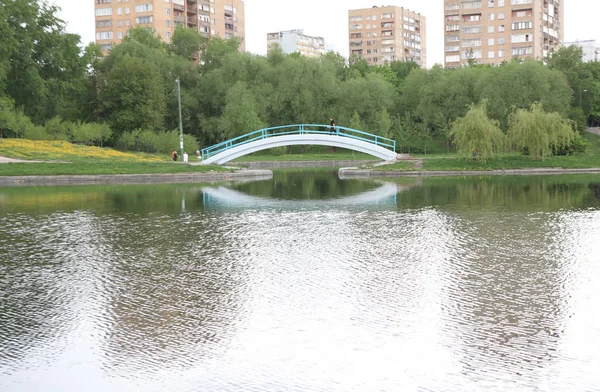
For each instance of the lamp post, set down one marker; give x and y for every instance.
(180, 125)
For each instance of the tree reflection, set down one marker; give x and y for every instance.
(175, 296)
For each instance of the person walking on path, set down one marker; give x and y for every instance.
(332, 125)
(174, 155)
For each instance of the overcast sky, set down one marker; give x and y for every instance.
(329, 19)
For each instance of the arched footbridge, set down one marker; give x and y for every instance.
(300, 134)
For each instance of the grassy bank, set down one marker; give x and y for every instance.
(63, 158)
(506, 161)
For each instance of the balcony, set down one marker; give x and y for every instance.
(179, 19)
(179, 7)
(192, 21)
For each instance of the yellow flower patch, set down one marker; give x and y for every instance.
(61, 150)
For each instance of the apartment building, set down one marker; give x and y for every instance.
(292, 41)
(387, 33)
(591, 51)
(223, 18)
(493, 31)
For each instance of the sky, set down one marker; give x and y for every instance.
(329, 19)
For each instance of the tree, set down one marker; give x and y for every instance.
(186, 43)
(384, 124)
(475, 135)
(134, 96)
(538, 133)
(41, 66)
(356, 122)
(240, 115)
(146, 36)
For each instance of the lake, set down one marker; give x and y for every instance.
(303, 282)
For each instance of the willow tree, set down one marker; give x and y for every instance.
(538, 133)
(476, 135)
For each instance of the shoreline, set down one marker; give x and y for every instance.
(122, 179)
(353, 172)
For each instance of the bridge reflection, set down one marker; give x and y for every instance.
(223, 197)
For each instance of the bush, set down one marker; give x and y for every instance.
(56, 129)
(150, 141)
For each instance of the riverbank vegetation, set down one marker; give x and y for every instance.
(52, 89)
(64, 158)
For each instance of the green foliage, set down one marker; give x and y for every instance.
(476, 135)
(539, 133)
(356, 122)
(15, 123)
(89, 133)
(186, 43)
(240, 115)
(155, 142)
(134, 96)
(146, 36)
(56, 129)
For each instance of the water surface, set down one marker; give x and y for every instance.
(302, 282)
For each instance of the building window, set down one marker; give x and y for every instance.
(491, 16)
(104, 35)
(453, 58)
(471, 29)
(127, 11)
(105, 47)
(490, 41)
(490, 29)
(103, 11)
(120, 35)
(522, 25)
(500, 3)
(168, 11)
(143, 7)
(168, 35)
(471, 42)
(491, 54)
(104, 23)
(501, 28)
(516, 2)
(518, 38)
(102, 1)
(501, 41)
(522, 51)
(119, 11)
(500, 15)
(168, 23)
(143, 19)
(500, 53)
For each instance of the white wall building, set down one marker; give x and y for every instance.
(292, 41)
(591, 51)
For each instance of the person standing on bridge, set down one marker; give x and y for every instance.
(332, 124)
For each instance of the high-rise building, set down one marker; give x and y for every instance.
(591, 51)
(292, 41)
(387, 33)
(224, 18)
(493, 31)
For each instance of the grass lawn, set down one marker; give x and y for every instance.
(63, 158)
(506, 161)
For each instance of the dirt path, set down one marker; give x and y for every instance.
(12, 160)
(594, 130)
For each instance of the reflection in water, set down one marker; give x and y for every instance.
(449, 284)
